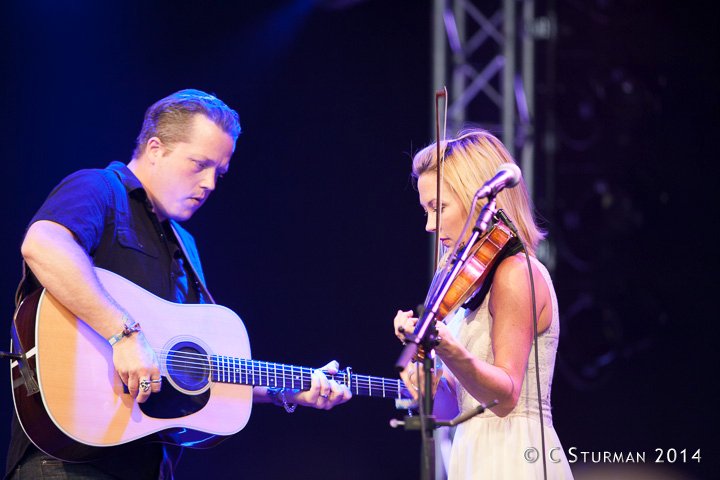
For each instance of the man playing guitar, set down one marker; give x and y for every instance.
(124, 219)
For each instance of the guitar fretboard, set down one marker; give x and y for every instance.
(267, 374)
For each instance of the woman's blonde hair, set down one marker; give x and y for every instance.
(470, 160)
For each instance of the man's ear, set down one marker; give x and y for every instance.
(154, 148)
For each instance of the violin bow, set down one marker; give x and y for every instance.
(440, 161)
(442, 93)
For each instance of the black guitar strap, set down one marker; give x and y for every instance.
(27, 374)
(191, 261)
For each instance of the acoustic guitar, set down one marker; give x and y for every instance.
(82, 406)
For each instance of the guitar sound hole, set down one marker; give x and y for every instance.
(189, 366)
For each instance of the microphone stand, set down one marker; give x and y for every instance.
(425, 336)
(11, 356)
(413, 423)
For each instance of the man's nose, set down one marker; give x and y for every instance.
(209, 180)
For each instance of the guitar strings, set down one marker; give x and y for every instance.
(256, 369)
(191, 362)
(200, 362)
(247, 368)
(250, 368)
(259, 366)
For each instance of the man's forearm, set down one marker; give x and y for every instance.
(66, 271)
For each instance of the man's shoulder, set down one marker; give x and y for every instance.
(91, 176)
(102, 182)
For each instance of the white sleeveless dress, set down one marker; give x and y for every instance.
(491, 447)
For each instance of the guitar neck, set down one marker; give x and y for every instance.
(267, 374)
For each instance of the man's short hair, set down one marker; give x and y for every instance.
(170, 119)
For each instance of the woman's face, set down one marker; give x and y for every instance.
(453, 212)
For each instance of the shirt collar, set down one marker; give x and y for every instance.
(127, 177)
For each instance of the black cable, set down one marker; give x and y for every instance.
(537, 360)
(510, 224)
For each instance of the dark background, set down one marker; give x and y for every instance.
(315, 237)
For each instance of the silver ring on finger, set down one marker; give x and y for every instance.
(324, 395)
(145, 385)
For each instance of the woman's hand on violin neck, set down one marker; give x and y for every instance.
(404, 322)
(445, 339)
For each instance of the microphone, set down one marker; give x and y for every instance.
(507, 176)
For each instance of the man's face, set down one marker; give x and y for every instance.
(184, 174)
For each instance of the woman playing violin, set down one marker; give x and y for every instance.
(488, 352)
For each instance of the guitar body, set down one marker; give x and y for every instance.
(83, 406)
